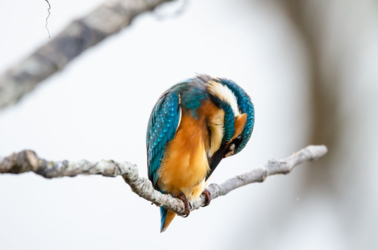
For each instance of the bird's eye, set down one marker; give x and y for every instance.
(240, 137)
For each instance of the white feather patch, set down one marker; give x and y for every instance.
(178, 125)
(225, 94)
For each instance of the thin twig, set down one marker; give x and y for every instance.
(47, 18)
(27, 160)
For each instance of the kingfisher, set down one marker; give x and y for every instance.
(192, 127)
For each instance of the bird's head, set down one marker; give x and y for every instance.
(239, 117)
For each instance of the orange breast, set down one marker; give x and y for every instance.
(185, 165)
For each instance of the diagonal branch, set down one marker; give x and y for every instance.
(27, 160)
(108, 19)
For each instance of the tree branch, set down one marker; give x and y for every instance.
(27, 160)
(108, 19)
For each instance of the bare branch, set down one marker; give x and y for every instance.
(27, 160)
(108, 19)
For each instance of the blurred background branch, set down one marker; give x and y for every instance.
(79, 35)
(309, 18)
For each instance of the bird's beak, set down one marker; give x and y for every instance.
(227, 149)
(216, 158)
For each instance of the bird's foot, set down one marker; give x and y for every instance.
(207, 197)
(187, 204)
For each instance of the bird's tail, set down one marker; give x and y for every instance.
(166, 218)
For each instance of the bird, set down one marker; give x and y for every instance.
(192, 127)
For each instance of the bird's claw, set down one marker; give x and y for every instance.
(207, 197)
(186, 203)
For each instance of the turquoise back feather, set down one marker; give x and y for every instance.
(162, 127)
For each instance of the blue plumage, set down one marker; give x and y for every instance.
(163, 216)
(192, 92)
(161, 129)
(246, 106)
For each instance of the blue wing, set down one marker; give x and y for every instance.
(162, 126)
